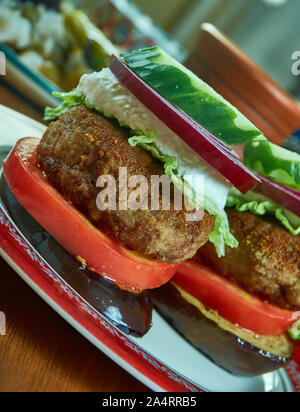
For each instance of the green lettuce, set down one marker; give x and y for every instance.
(148, 143)
(69, 99)
(260, 205)
(221, 235)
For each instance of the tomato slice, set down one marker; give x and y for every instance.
(231, 302)
(73, 230)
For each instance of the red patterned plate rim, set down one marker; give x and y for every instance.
(156, 374)
(151, 371)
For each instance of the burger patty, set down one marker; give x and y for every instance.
(266, 263)
(83, 145)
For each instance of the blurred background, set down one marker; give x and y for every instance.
(267, 30)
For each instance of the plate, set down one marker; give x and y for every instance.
(149, 359)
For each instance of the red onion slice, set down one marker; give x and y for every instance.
(283, 195)
(207, 146)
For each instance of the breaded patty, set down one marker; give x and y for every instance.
(266, 263)
(83, 145)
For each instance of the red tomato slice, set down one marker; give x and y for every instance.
(231, 302)
(73, 230)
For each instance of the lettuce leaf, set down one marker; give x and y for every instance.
(260, 205)
(148, 143)
(69, 99)
(221, 235)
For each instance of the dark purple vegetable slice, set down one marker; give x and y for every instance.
(283, 195)
(224, 348)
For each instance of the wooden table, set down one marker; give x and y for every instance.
(41, 352)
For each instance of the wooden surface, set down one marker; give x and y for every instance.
(40, 351)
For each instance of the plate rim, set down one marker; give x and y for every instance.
(73, 323)
(22, 117)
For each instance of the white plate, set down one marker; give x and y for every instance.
(162, 359)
